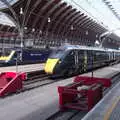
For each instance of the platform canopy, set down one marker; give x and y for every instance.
(75, 20)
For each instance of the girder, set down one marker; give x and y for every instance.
(62, 16)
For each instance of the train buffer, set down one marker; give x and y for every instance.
(83, 93)
(11, 82)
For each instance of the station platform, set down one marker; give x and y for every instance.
(108, 108)
(42, 102)
(23, 68)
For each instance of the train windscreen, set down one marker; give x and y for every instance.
(57, 53)
(6, 52)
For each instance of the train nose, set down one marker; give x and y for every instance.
(3, 58)
(50, 65)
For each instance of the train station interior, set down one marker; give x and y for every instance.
(60, 59)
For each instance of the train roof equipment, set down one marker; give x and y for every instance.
(69, 47)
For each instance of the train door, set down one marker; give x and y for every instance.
(110, 56)
(114, 55)
(76, 58)
(85, 61)
(91, 58)
(81, 60)
(70, 62)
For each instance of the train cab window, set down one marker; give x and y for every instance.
(6, 53)
(70, 56)
(72, 53)
(57, 53)
(16, 55)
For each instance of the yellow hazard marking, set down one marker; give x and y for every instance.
(111, 108)
(50, 65)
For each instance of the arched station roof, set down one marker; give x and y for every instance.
(54, 16)
(37, 12)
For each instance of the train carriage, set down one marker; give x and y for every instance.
(76, 59)
(24, 56)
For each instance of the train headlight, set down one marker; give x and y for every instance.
(6, 61)
(59, 62)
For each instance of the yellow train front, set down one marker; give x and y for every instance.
(63, 61)
(25, 56)
(7, 57)
(55, 64)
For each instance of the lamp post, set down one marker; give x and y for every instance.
(40, 38)
(71, 28)
(21, 34)
(2, 45)
(33, 37)
(47, 31)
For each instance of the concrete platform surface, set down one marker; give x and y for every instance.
(23, 68)
(40, 103)
(108, 108)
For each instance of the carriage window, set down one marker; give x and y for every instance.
(81, 52)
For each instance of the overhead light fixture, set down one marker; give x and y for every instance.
(86, 32)
(33, 30)
(21, 11)
(49, 20)
(71, 27)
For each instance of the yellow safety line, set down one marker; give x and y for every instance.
(110, 109)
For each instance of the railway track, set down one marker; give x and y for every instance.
(37, 79)
(66, 115)
(40, 80)
(78, 115)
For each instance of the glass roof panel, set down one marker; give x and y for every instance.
(99, 11)
(115, 5)
(3, 5)
(5, 20)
